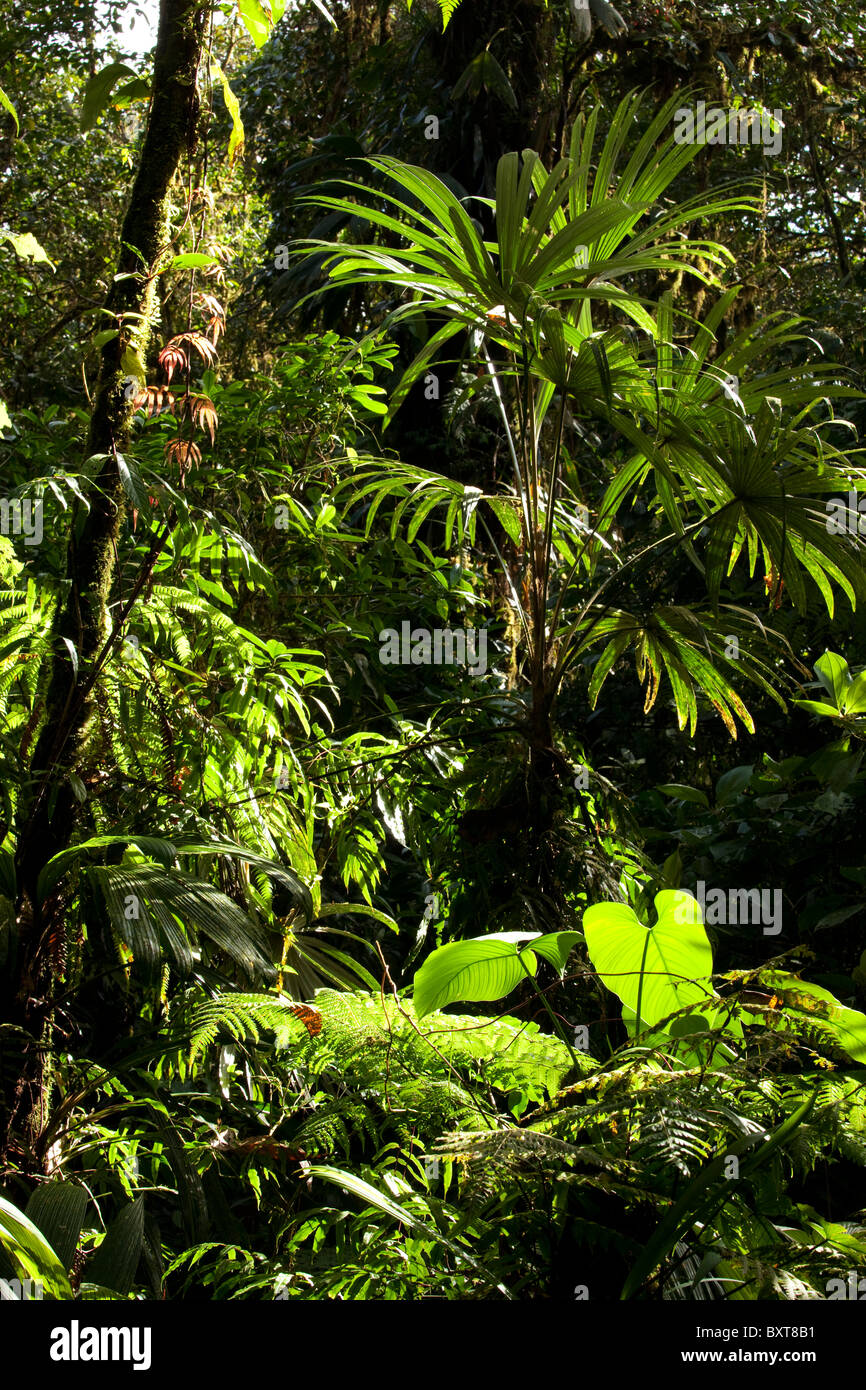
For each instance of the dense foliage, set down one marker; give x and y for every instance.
(432, 666)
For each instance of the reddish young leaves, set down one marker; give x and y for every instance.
(153, 400)
(201, 410)
(216, 324)
(172, 359)
(183, 452)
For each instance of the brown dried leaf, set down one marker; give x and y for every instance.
(154, 400)
(183, 452)
(203, 346)
(309, 1016)
(173, 358)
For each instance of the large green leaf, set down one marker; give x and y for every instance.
(654, 970)
(30, 1252)
(115, 1261)
(484, 967)
(97, 93)
(58, 1209)
(556, 947)
(256, 21)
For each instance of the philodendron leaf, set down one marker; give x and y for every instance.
(556, 947)
(654, 970)
(487, 967)
(693, 1039)
(484, 967)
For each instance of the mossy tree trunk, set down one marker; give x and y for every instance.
(81, 625)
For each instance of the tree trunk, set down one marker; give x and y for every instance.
(81, 624)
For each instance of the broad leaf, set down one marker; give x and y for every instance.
(7, 106)
(484, 967)
(58, 1209)
(114, 1263)
(487, 967)
(30, 1252)
(26, 246)
(97, 93)
(654, 970)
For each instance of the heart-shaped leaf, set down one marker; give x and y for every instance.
(654, 970)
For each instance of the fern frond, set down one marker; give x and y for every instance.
(241, 1018)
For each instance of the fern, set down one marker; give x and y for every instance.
(676, 1134)
(508, 1055)
(240, 1018)
(446, 9)
(514, 1149)
(338, 1124)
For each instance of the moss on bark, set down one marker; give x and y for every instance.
(82, 618)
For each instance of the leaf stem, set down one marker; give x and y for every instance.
(554, 1020)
